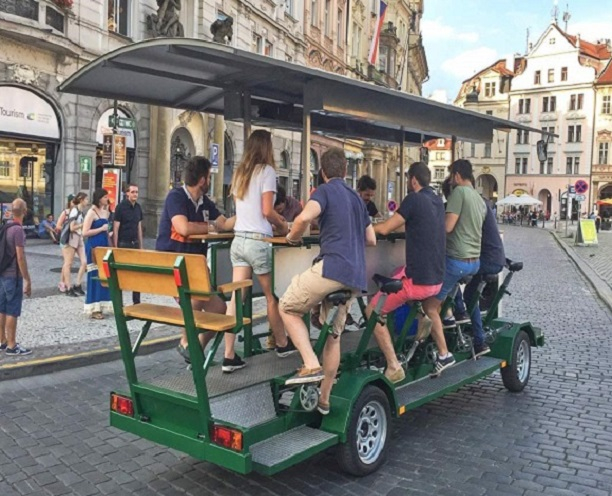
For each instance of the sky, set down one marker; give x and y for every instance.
(462, 37)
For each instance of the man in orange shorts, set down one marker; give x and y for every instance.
(422, 214)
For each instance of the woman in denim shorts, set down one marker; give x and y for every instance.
(254, 189)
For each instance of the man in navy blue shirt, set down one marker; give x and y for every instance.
(345, 231)
(422, 214)
(183, 216)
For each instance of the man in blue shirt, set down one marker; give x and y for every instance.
(46, 229)
(183, 216)
(345, 231)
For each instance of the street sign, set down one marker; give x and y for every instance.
(214, 157)
(392, 206)
(85, 164)
(123, 123)
(581, 186)
(580, 198)
(572, 189)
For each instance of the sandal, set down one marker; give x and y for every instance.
(97, 316)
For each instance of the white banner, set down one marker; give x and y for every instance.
(24, 112)
(104, 129)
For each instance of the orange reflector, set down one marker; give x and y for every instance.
(503, 364)
(177, 277)
(226, 437)
(402, 410)
(106, 269)
(122, 405)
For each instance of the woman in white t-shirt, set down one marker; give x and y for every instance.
(254, 190)
(75, 246)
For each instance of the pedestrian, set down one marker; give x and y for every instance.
(61, 220)
(254, 188)
(47, 229)
(289, 208)
(14, 281)
(366, 188)
(127, 225)
(74, 246)
(95, 233)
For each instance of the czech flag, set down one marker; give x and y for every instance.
(373, 54)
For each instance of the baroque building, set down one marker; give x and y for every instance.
(601, 173)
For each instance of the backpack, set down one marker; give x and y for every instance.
(65, 232)
(5, 259)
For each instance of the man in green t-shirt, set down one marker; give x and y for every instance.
(465, 214)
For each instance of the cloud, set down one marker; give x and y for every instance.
(591, 31)
(467, 63)
(435, 30)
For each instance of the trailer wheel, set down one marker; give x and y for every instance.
(365, 448)
(516, 375)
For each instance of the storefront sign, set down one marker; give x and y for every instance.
(85, 164)
(111, 182)
(24, 112)
(119, 151)
(586, 234)
(107, 149)
(519, 192)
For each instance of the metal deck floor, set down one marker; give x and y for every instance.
(453, 378)
(259, 369)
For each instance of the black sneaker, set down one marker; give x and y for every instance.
(70, 292)
(481, 349)
(231, 364)
(285, 351)
(462, 318)
(182, 350)
(449, 322)
(3, 346)
(18, 350)
(442, 364)
(78, 290)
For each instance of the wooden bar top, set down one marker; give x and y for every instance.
(212, 236)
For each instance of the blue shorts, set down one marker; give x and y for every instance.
(455, 270)
(11, 295)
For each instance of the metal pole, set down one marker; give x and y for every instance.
(305, 152)
(568, 206)
(401, 164)
(453, 148)
(246, 118)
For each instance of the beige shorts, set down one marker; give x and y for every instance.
(75, 241)
(309, 289)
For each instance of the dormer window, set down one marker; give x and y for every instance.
(489, 89)
(552, 41)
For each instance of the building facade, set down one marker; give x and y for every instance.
(51, 143)
(440, 157)
(555, 92)
(601, 173)
(487, 92)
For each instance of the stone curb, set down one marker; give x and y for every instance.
(96, 355)
(601, 287)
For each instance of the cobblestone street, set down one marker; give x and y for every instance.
(553, 438)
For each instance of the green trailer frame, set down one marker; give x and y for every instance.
(252, 421)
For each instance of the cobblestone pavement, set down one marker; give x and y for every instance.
(598, 257)
(553, 438)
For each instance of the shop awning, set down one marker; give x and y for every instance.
(208, 77)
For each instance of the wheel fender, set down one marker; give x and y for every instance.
(344, 396)
(504, 344)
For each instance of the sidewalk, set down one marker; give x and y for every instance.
(61, 335)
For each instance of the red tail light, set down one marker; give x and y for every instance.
(226, 437)
(122, 405)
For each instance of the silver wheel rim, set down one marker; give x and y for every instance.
(523, 361)
(371, 432)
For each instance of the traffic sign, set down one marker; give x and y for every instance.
(214, 157)
(123, 123)
(580, 198)
(392, 206)
(572, 190)
(581, 186)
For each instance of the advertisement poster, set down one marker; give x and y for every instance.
(587, 233)
(111, 182)
(120, 155)
(107, 149)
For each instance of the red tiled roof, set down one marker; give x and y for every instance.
(606, 75)
(596, 50)
(432, 144)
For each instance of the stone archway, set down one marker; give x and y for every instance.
(605, 191)
(545, 196)
(486, 185)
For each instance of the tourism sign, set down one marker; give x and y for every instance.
(107, 149)
(119, 151)
(123, 122)
(85, 164)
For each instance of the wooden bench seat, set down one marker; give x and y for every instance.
(174, 316)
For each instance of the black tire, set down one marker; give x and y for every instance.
(371, 415)
(516, 375)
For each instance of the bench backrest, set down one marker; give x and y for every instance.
(152, 282)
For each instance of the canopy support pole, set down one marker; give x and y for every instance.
(305, 152)
(453, 148)
(246, 118)
(401, 165)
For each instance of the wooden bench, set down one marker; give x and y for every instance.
(158, 273)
